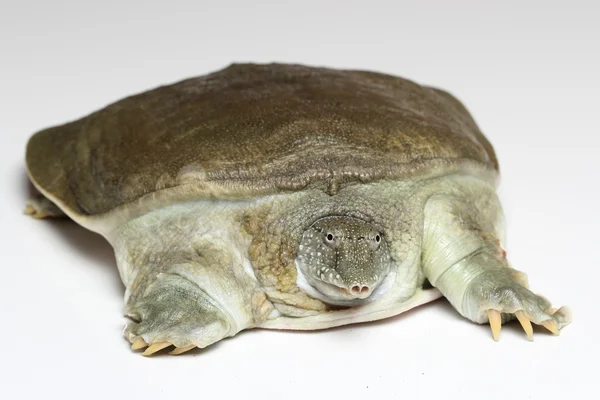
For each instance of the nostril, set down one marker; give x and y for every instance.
(357, 289)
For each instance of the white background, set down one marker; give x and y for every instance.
(529, 73)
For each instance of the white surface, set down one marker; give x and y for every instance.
(528, 74)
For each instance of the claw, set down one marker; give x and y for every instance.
(139, 343)
(154, 347)
(551, 326)
(526, 324)
(495, 323)
(181, 350)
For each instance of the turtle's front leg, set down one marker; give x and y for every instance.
(485, 289)
(463, 258)
(188, 280)
(187, 291)
(175, 311)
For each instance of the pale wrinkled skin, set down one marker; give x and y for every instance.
(204, 247)
(208, 243)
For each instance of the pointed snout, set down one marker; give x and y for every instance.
(357, 291)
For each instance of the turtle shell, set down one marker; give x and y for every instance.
(253, 130)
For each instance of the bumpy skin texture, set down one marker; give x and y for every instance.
(196, 274)
(164, 253)
(187, 278)
(251, 130)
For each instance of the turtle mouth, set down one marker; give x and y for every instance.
(333, 291)
(348, 292)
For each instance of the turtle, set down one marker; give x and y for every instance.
(287, 196)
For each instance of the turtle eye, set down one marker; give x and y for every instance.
(329, 238)
(376, 241)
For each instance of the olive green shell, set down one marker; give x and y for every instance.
(253, 130)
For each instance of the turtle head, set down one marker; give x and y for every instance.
(343, 258)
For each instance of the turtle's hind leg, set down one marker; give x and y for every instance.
(40, 207)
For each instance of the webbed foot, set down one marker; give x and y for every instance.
(499, 297)
(175, 312)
